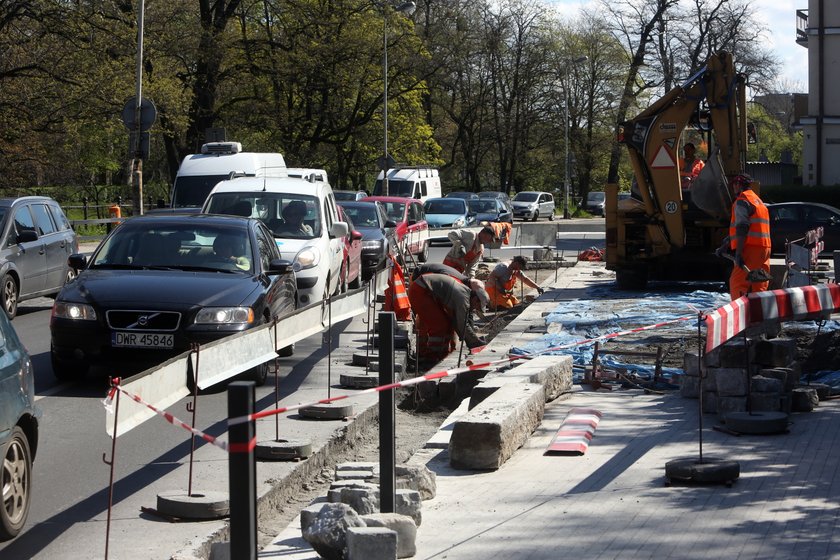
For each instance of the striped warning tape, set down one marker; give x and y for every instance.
(166, 416)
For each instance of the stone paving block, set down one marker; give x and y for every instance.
(784, 375)
(488, 435)
(762, 384)
(402, 525)
(736, 354)
(804, 399)
(690, 387)
(692, 365)
(731, 382)
(407, 502)
(775, 352)
(371, 543)
(765, 402)
(554, 373)
(726, 405)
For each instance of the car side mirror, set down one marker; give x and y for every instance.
(77, 261)
(339, 229)
(390, 224)
(27, 236)
(279, 266)
(356, 236)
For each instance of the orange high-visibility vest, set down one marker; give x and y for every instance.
(759, 232)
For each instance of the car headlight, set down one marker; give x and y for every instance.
(74, 311)
(372, 245)
(459, 222)
(225, 316)
(307, 258)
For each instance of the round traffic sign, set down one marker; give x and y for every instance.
(148, 114)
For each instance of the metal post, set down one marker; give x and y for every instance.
(385, 165)
(138, 158)
(566, 166)
(387, 415)
(242, 472)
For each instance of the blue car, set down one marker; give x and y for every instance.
(18, 430)
(490, 210)
(448, 213)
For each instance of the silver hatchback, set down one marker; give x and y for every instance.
(36, 240)
(533, 205)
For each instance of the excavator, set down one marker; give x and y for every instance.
(669, 229)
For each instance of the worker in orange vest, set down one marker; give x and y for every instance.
(467, 248)
(749, 240)
(443, 307)
(690, 165)
(502, 280)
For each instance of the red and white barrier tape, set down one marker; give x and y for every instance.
(166, 416)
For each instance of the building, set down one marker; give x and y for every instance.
(818, 29)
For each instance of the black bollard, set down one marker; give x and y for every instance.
(387, 415)
(242, 470)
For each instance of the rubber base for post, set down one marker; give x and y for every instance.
(282, 450)
(328, 411)
(710, 471)
(757, 423)
(198, 505)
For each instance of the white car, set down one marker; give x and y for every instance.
(316, 248)
(533, 205)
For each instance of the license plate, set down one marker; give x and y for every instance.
(141, 340)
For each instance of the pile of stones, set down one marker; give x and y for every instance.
(346, 524)
(752, 375)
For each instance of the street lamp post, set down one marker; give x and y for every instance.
(567, 179)
(406, 8)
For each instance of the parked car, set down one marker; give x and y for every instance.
(448, 213)
(349, 195)
(284, 205)
(351, 271)
(19, 418)
(490, 210)
(595, 203)
(412, 229)
(36, 241)
(378, 236)
(159, 283)
(462, 194)
(790, 220)
(532, 205)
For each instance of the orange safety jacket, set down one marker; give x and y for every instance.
(759, 232)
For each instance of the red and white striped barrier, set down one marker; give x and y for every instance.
(791, 304)
(575, 432)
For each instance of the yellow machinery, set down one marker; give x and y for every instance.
(663, 231)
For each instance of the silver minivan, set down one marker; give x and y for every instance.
(533, 205)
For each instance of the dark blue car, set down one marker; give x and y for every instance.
(159, 283)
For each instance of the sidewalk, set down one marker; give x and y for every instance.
(612, 502)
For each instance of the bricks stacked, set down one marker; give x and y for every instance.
(753, 374)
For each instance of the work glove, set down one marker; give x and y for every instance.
(540, 291)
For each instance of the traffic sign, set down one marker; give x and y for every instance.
(148, 114)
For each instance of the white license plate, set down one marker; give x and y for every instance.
(142, 340)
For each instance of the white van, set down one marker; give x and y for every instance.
(411, 182)
(308, 174)
(317, 251)
(199, 173)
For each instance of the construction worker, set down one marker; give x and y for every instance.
(443, 307)
(690, 165)
(467, 248)
(502, 280)
(749, 240)
(440, 268)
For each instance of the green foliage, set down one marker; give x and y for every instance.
(772, 137)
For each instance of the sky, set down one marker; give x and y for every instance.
(779, 16)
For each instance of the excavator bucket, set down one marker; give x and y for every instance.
(710, 191)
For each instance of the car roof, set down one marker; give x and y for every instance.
(22, 199)
(192, 219)
(290, 185)
(389, 199)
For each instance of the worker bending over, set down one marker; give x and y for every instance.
(443, 307)
(428, 267)
(467, 248)
(749, 239)
(502, 280)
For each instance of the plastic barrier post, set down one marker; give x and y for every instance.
(387, 415)
(242, 470)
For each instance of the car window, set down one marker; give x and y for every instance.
(60, 220)
(784, 213)
(445, 206)
(818, 215)
(23, 222)
(363, 215)
(43, 221)
(395, 211)
(267, 248)
(526, 197)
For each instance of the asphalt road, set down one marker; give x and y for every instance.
(70, 498)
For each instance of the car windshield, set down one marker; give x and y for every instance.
(595, 197)
(526, 197)
(483, 205)
(192, 190)
(363, 215)
(344, 195)
(194, 246)
(446, 206)
(396, 187)
(394, 210)
(287, 215)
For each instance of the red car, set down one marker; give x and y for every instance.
(412, 230)
(351, 270)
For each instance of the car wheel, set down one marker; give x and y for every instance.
(68, 370)
(551, 217)
(10, 295)
(16, 484)
(536, 216)
(423, 255)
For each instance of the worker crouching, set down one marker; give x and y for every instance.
(502, 280)
(443, 307)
